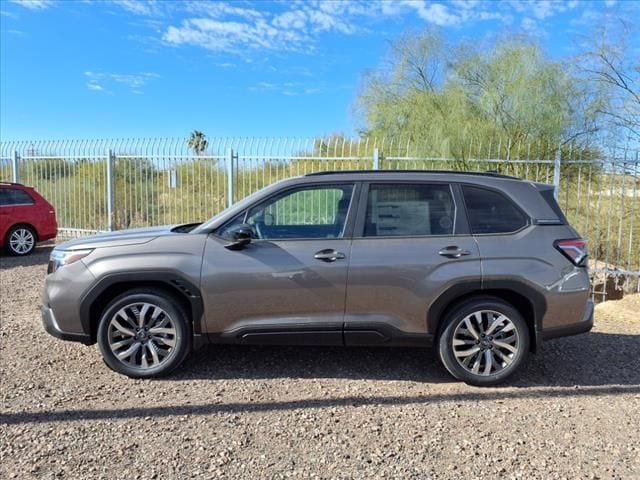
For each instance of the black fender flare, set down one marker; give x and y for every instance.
(486, 287)
(172, 279)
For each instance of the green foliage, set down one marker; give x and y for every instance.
(469, 103)
(51, 168)
(198, 142)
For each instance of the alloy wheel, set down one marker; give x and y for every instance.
(142, 335)
(21, 241)
(485, 342)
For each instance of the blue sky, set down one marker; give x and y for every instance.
(126, 68)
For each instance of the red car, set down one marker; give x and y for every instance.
(25, 218)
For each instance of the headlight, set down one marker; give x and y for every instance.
(60, 258)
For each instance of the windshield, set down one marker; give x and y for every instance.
(213, 221)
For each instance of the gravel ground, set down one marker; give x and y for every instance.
(573, 412)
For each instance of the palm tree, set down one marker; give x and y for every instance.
(198, 142)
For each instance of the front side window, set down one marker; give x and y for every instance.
(409, 210)
(491, 212)
(308, 212)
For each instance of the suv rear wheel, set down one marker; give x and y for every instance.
(144, 333)
(484, 341)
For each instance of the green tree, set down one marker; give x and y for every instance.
(466, 100)
(198, 142)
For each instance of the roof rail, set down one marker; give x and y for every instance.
(12, 183)
(490, 173)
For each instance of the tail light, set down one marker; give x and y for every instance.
(575, 250)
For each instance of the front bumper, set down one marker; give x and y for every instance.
(582, 326)
(52, 327)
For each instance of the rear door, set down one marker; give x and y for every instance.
(411, 244)
(22, 207)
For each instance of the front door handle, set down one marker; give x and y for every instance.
(328, 255)
(453, 252)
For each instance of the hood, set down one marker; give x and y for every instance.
(133, 236)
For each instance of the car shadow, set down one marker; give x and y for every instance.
(357, 363)
(590, 365)
(592, 359)
(40, 256)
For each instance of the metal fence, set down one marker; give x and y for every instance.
(101, 185)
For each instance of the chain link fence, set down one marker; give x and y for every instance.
(102, 185)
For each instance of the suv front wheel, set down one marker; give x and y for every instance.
(144, 333)
(484, 341)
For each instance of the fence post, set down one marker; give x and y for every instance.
(230, 178)
(376, 159)
(556, 174)
(110, 163)
(15, 159)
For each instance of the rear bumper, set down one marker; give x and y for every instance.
(44, 234)
(52, 327)
(582, 326)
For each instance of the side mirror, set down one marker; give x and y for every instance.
(239, 237)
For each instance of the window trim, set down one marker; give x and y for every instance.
(349, 222)
(528, 221)
(458, 227)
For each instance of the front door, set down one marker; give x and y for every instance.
(288, 285)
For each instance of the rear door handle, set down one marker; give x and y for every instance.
(453, 252)
(328, 255)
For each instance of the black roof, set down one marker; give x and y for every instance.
(447, 172)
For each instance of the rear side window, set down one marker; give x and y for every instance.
(11, 196)
(491, 212)
(409, 210)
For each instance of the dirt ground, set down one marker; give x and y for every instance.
(232, 412)
(625, 310)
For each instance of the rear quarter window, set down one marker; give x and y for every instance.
(12, 196)
(491, 212)
(551, 201)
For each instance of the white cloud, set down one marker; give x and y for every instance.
(532, 27)
(149, 8)
(296, 25)
(542, 9)
(34, 4)
(291, 19)
(435, 13)
(235, 36)
(528, 24)
(97, 81)
(289, 89)
(221, 9)
(446, 14)
(96, 87)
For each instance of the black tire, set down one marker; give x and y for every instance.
(454, 326)
(173, 314)
(20, 249)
